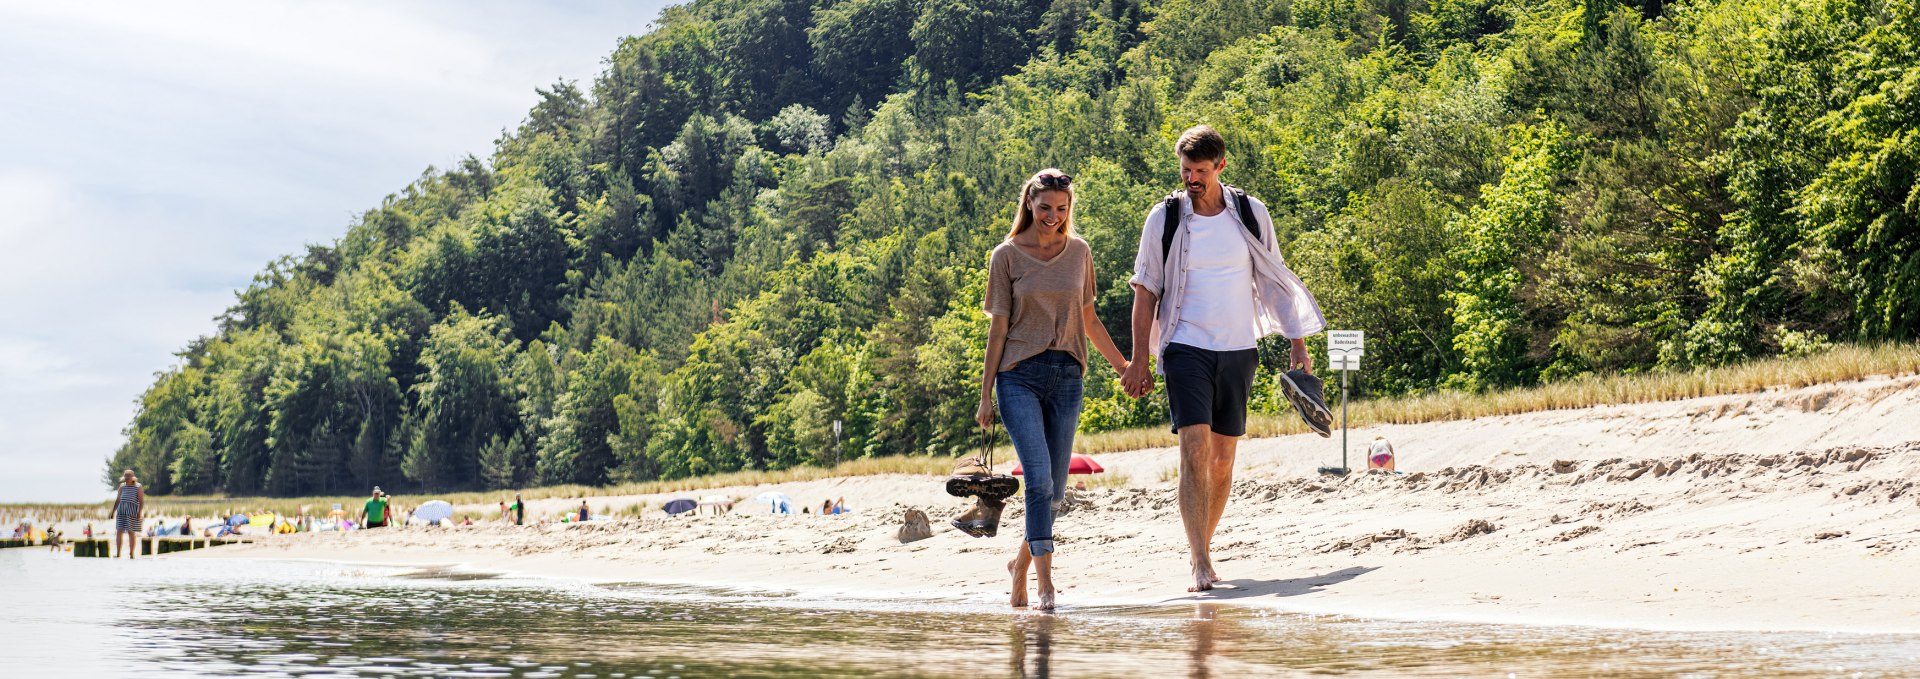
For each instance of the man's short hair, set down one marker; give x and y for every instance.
(1201, 142)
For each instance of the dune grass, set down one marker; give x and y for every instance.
(1842, 363)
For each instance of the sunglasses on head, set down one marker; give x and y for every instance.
(1055, 181)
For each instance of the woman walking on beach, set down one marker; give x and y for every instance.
(1040, 294)
(129, 501)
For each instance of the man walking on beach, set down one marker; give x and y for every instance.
(1208, 283)
(375, 513)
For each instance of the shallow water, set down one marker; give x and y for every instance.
(168, 617)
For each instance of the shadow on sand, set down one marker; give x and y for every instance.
(1245, 588)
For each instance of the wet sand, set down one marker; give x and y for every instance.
(1787, 510)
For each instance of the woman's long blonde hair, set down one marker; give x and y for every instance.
(1023, 215)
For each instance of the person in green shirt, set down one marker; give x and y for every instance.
(375, 515)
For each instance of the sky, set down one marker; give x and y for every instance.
(155, 156)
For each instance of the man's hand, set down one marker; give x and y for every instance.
(1137, 381)
(1299, 357)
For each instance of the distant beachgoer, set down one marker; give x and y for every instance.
(583, 510)
(130, 500)
(88, 532)
(826, 507)
(186, 526)
(519, 511)
(840, 506)
(1380, 454)
(375, 513)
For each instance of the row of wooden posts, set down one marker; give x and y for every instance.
(101, 547)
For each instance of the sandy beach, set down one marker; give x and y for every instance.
(1786, 510)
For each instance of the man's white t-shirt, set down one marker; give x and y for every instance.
(1217, 311)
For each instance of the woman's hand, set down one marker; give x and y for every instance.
(985, 414)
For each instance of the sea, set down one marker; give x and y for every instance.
(175, 617)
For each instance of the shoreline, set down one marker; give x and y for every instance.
(1791, 510)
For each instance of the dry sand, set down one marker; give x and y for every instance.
(1792, 509)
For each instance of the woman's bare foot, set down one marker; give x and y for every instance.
(1046, 598)
(1019, 599)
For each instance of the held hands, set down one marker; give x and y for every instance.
(1136, 380)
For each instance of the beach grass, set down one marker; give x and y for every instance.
(1841, 363)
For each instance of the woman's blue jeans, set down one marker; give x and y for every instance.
(1040, 404)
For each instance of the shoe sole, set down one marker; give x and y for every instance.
(1317, 416)
(978, 529)
(993, 487)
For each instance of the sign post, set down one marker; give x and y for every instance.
(1344, 349)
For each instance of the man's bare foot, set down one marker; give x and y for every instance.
(1202, 579)
(1046, 599)
(1019, 599)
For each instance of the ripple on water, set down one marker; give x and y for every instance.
(195, 618)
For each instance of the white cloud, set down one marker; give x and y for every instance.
(157, 155)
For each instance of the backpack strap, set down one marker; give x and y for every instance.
(1240, 199)
(1172, 225)
(1246, 211)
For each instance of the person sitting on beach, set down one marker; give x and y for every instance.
(826, 507)
(583, 511)
(840, 506)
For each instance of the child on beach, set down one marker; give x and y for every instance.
(1040, 294)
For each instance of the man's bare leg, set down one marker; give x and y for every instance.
(1220, 485)
(1196, 505)
(1018, 569)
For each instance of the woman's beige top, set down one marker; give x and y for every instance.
(1041, 300)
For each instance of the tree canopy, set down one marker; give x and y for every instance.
(757, 239)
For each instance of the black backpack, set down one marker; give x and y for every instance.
(1173, 219)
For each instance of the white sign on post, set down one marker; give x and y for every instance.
(1344, 361)
(1346, 342)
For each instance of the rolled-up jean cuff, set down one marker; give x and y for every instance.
(1039, 547)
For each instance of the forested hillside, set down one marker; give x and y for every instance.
(766, 217)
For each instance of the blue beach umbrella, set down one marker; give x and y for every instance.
(679, 506)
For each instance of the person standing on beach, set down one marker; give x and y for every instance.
(375, 513)
(130, 501)
(519, 511)
(1040, 294)
(1203, 297)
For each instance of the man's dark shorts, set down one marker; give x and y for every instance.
(1209, 387)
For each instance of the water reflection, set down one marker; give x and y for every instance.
(1032, 646)
(1200, 630)
(197, 618)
